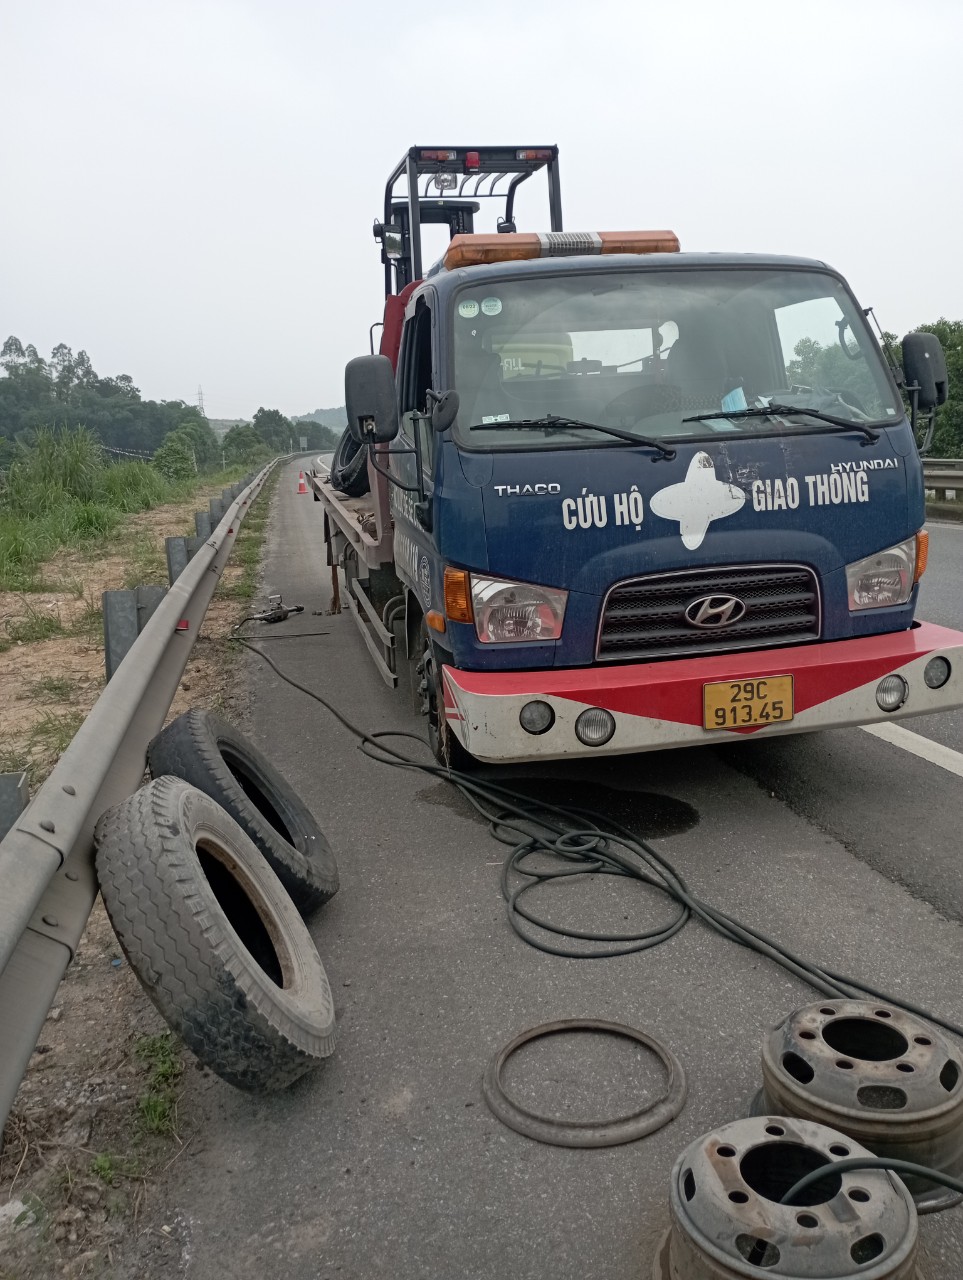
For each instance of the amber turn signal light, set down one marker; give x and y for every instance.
(922, 553)
(458, 596)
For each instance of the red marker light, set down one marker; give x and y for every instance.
(472, 161)
(542, 154)
(183, 625)
(438, 157)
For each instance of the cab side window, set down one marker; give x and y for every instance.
(415, 381)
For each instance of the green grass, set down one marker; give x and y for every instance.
(146, 562)
(64, 491)
(53, 734)
(104, 1167)
(90, 623)
(157, 1107)
(52, 689)
(36, 624)
(249, 546)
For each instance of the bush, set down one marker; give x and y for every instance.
(63, 489)
(175, 458)
(134, 486)
(92, 520)
(68, 461)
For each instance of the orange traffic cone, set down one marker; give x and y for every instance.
(302, 486)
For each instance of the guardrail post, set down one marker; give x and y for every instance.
(14, 798)
(202, 523)
(177, 557)
(126, 613)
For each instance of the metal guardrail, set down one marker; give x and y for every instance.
(943, 474)
(47, 879)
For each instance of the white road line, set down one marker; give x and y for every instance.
(323, 465)
(917, 745)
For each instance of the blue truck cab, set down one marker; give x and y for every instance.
(604, 496)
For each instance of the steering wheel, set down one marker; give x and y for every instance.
(849, 397)
(643, 402)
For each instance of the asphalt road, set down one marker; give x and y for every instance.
(386, 1161)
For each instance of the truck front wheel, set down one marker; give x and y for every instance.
(445, 747)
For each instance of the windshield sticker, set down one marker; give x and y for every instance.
(495, 417)
(491, 306)
(468, 309)
(698, 500)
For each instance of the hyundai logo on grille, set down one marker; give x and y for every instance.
(715, 611)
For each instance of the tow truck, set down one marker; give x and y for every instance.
(608, 497)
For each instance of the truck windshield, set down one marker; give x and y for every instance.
(644, 350)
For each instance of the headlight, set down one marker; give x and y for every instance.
(883, 579)
(510, 612)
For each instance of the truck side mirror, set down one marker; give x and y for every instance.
(444, 409)
(924, 365)
(370, 399)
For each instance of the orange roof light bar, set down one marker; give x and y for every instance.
(473, 250)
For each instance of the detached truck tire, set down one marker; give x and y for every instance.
(213, 937)
(349, 466)
(218, 759)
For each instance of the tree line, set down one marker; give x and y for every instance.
(66, 391)
(828, 366)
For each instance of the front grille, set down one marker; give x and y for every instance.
(645, 617)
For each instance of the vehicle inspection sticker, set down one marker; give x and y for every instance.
(491, 306)
(468, 309)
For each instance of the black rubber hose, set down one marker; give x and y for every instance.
(530, 827)
(836, 1167)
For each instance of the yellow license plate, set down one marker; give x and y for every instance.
(740, 704)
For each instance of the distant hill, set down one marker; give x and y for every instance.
(337, 419)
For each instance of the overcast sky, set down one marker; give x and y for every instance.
(187, 187)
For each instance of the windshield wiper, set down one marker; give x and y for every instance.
(553, 422)
(783, 410)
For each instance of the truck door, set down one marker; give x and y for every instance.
(415, 379)
(414, 549)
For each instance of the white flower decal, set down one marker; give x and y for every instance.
(698, 500)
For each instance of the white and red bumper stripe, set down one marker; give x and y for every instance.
(658, 705)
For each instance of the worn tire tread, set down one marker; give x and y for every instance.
(188, 748)
(187, 957)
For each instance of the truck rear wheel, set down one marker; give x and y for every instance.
(445, 747)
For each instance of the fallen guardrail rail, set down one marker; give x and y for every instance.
(47, 881)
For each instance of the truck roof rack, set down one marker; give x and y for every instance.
(463, 171)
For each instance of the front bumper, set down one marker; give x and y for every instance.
(659, 705)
